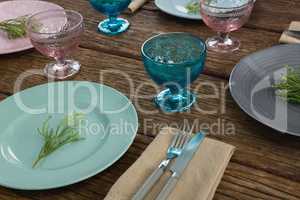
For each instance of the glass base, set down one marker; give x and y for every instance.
(219, 44)
(168, 102)
(118, 26)
(62, 71)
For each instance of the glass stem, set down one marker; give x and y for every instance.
(113, 24)
(223, 37)
(61, 64)
(112, 19)
(176, 93)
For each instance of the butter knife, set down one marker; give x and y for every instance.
(293, 33)
(177, 168)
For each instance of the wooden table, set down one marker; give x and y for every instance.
(266, 164)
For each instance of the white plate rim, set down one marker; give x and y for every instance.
(186, 16)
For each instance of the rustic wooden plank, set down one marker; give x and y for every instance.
(259, 147)
(274, 15)
(145, 24)
(95, 62)
(266, 183)
(267, 14)
(265, 165)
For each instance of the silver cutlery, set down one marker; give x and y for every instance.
(293, 33)
(180, 164)
(174, 150)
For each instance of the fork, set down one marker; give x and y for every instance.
(174, 150)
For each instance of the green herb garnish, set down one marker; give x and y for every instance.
(65, 133)
(193, 7)
(289, 86)
(14, 28)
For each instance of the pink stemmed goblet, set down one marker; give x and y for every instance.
(225, 16)
(56, 33)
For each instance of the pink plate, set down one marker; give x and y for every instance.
(17, 8)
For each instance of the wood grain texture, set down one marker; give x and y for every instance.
(145, 24)
(270, 15)
(266, 164)
(258, 148)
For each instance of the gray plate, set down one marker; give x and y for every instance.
(251, 87)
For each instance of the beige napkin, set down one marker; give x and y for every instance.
(198, 182)
(295, 25)
(136, 4)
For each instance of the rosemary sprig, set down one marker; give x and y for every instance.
(193, 7)
(289, 86)
(14, 28)
(65, 133)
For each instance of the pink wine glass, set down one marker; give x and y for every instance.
(56, 33)
(225, 16)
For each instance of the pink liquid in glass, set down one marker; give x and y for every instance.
(225, 20)
(57, 48)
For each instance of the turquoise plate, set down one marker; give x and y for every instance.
(109, 129)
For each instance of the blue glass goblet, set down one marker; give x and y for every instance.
(174, 60)
(111, 8)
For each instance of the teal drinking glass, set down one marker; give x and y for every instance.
(111, 8)
(174, 60)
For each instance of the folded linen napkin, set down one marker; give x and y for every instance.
(198, 182)
(136, 4)
(295, 26)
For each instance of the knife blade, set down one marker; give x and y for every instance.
(178, 167)
(293, 33)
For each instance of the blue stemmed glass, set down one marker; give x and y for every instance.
(111, 8)
(174, 60)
